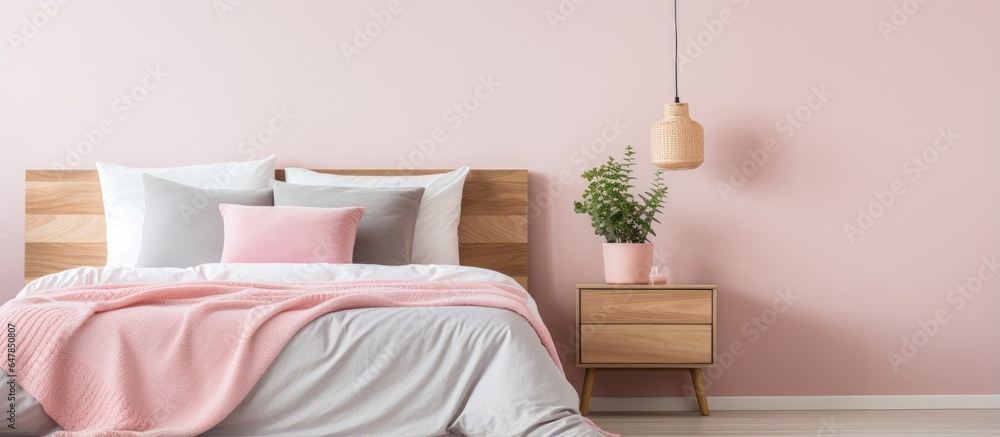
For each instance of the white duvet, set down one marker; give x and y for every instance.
(453, 371)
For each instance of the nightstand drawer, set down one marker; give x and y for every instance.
(646, 306)
(646, 344)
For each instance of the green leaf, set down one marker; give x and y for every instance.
(616, 213)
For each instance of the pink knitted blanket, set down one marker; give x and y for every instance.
(177, 358)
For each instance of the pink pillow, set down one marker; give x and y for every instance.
(289, 234)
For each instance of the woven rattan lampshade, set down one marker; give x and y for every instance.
(677, 142)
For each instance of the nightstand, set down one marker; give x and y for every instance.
(645, 327)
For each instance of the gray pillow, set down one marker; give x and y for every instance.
(183, 225)
(385, 232)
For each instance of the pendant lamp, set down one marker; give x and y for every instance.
(677, 142)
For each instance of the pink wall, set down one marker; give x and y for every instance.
(886, 97)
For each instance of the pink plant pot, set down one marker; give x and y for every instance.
(627, 263)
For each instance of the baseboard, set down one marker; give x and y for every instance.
(748, 403)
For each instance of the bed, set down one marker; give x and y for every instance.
(462, 369)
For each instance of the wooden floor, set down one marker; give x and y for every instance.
(805, 423)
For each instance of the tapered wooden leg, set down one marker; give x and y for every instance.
(699, 391)
(588, 386)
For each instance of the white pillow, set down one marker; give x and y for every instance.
(435, 239)
(125, 198)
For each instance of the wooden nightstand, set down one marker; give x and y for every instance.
(645, 327)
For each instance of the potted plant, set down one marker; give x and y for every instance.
(623, 219)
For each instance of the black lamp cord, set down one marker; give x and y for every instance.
(677, 98)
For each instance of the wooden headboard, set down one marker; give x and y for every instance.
(64, 220)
